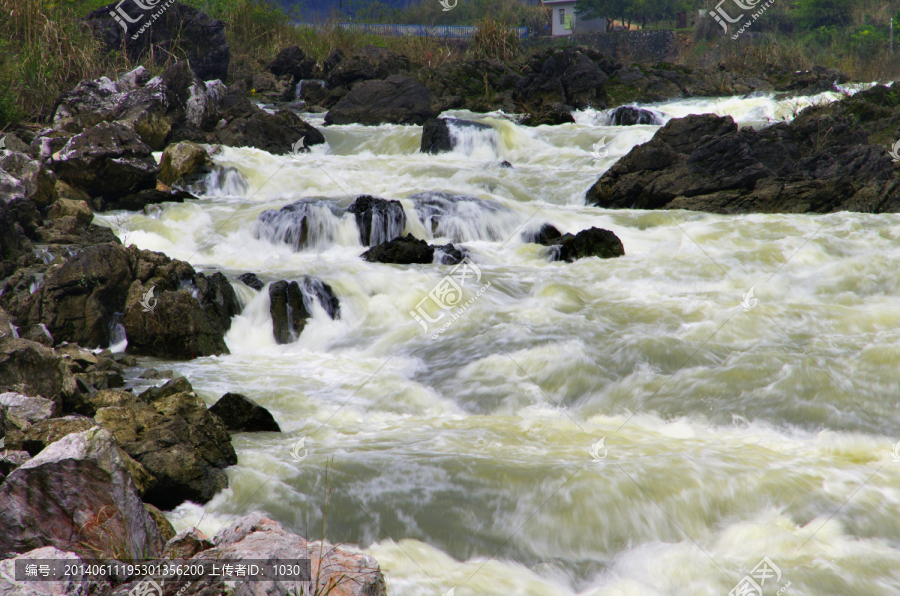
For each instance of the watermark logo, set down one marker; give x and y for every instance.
(600, 150)
(894, 152)
(596, 449)
(121, 16)
(895, 453)
(721, 15)
(453, 589)
(148, 587)
(297, 149)
(295, 450)
(145, 301)
(447, 6)
(752, 584)
(749, 302)
(448, 294)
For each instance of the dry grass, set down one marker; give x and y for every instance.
(44, 50)
(495, 40)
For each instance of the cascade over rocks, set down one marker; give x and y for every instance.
(818, 163)
(545, 235)
(437, 133)
(396, 100)
(378, 220)
(292, 303)
(201, 38)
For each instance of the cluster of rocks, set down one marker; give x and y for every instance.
(87, 468)
(820, 162)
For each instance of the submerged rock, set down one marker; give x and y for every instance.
(593, 242)
(629, 116)
(545, 235)
(275, 133)
(408, 250)
(242, 414)
(250, 279)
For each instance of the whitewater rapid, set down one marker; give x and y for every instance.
(474, 461)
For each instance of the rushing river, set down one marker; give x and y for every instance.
(474, 460)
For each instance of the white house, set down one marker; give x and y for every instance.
(563, 20)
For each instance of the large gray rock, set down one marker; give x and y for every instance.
(107, 160)
(242, 414)
(30, 409)
(396, 100)
(22, 177)
(346, 573)
(77, 495)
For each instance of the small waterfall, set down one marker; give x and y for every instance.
(315, 289)
(474, 139)
(307, 223)
(221, 182)
(463, 218)
(117, 338)
(378, 220)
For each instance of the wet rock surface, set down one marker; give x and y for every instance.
(242, 414)
(819, 163)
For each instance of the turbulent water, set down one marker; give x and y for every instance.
(473, 459)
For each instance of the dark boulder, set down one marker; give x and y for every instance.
(276, 133)
(404, 250)
(367, 64)
(594, 242)
(396, 100)
(242, 414)
(314, 93)
(437, 133)
(289, 313)
(200, 38)
(22, 177)
(107, 160)
(378, 220)
(818, 163)
(215, 294)
(292, 61)
(478, 85)
(139, 200)
(250, 279)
